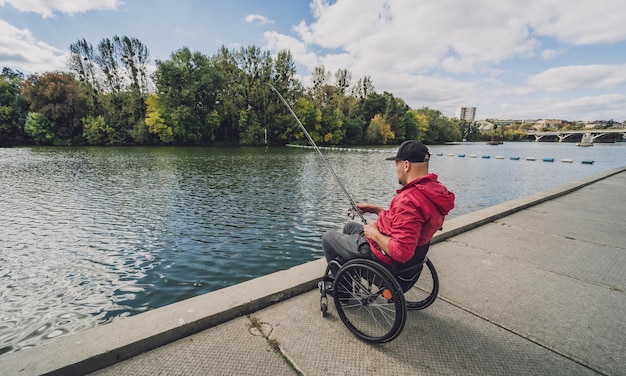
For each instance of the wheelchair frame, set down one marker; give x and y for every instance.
(371, 301)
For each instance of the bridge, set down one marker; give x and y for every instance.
(608, 135)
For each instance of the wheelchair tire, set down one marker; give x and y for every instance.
(369, 301)
(425, 290)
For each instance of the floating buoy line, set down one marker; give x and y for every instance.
(336, 148)
(389, 151)
(514, 158)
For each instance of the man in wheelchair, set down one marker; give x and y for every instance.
(401, 234)
(373, 268)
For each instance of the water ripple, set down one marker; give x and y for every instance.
(91, 235)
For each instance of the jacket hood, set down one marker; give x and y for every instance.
(436, 192)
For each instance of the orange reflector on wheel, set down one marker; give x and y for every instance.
(387, 294)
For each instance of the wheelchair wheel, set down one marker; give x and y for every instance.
(369, 301)
(324, 306)
(425, 290)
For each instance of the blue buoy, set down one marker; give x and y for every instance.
(515, 158)
(587, 162)
(461, 155)
(486, 156)
(548, 159)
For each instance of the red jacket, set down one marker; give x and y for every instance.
(414, 215)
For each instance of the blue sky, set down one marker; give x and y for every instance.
(532, 59)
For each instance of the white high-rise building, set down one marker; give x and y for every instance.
(466, 113)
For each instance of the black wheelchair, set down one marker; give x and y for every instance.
(372, 299)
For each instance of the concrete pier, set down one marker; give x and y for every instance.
(534, 286)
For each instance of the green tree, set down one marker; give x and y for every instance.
(63, 101)
(331, 125)
(155, 120)
(188, 87)
(39, 128)
(469, 130)
(258, 69)
(83, 61)
(13, 108)
(201, 100)
(440, 128)
(321, 79)
(363, 88)
(394, 111)
(108, 60)
(251, 132)
(285, 81)
(115, 74)
(343, 80)
(134, 57)
(230, 98)
(415, 125)
(97, 132)
(378, 132)
(514, 135)
(311, 118)
(449, 131)
(354, 130)
(374, 104)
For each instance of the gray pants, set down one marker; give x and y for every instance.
(347, 245)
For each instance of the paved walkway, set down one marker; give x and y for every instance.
(535, 286)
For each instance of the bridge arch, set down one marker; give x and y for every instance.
(563, 136)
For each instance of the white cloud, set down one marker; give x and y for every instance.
(18, 47)
(551, 53)
(436, 35)
(443, 54)
(455, 36)
(47, 8)
(344, 22)
(258, 19)
(301, 55)
(577, 23)
(580, 77)
(585, 108)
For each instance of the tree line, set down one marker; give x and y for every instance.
(108, 98)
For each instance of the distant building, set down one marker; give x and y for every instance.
(466, 113)
(552, 124)
(504, 122)
(485, 126)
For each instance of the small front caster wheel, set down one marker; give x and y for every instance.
(324, 306)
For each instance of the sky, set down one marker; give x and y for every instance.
(520, 59)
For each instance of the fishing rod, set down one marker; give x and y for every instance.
(345, 191)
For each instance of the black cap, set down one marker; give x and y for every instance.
(412, 151)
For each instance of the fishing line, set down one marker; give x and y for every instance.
(343, 188)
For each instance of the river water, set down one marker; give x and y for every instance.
(90, 235)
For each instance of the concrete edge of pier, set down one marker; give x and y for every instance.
(105, 345)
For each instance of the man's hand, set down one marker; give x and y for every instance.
(371, 231)
(364, 207)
